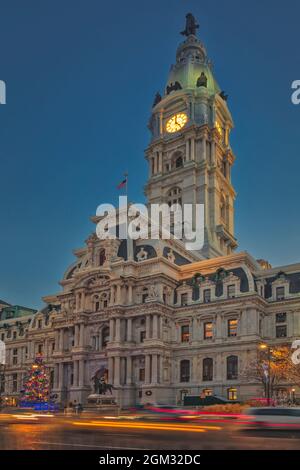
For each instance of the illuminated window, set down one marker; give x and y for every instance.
(207, 392)
(232, 394)
(185, 333)
(232, 328)
(208, 330)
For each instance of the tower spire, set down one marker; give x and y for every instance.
(191, 25)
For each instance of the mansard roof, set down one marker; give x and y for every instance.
(15, 311)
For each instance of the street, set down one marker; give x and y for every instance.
(98, 433)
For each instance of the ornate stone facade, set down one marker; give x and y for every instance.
(162, 322)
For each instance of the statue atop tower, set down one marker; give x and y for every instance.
(191, 26)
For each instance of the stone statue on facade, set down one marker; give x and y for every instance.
(157, 99)
(191, 25)
(171, 256)
(142, 255)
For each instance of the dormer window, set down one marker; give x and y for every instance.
(280, 294)
(206, 296)
(184, 300)
(231, 291)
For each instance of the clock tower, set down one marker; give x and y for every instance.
(189, 155)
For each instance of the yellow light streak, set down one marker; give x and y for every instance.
(150, 426)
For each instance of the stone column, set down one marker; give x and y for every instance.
(112, 295)
(110, 370)
(118, 330)
(213, 152)
(148, 326)
(61, 339)
(56, 340)
(119, 294)
(129, 329)
(129, 294)
(117, 371)
(160, 161)
(32, 353)
(147, 369)
(161, 377)
(194, 332)
(155, 326)
(129, 370)
(56, 379)
(204, 148)
(154, 369)
(60, 375)
(81, 373)
(46, 352)
(111, 329)
(75, 374)
(76, 336)
(81, 336)
(192, 148)
(161, 326)
(187, 150)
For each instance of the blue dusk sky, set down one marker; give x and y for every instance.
(81, 76)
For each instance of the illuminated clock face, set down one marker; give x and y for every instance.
(176, 122)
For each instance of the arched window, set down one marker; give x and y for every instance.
(104, 300)
(232, 367)
(102, 257)
(208, 369)
(179, 162)
(105, 336)
(185, 371)
(96, 302)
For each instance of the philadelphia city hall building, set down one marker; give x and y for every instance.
(149, 317)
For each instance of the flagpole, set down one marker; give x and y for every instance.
(126, 184)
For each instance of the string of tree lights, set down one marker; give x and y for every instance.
(37, 384)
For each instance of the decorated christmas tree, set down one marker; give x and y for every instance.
(36, 386)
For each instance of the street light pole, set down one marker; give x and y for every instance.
(268, 390)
